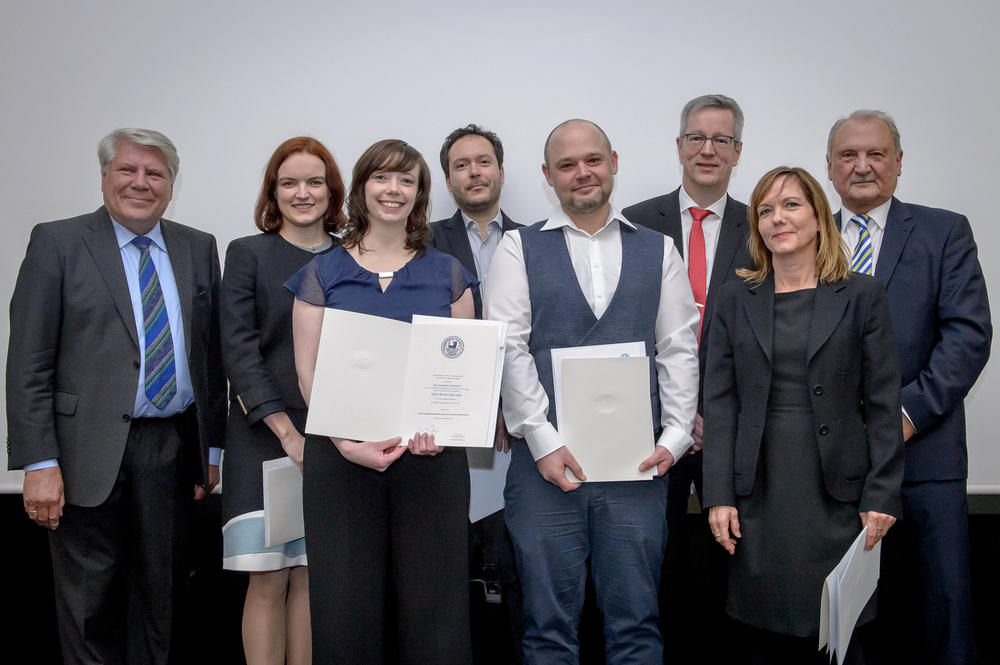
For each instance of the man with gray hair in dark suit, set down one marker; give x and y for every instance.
(115, 391)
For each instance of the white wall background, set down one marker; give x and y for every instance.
(228, 81)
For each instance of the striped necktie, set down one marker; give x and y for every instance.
(160, 382)
(861, 260)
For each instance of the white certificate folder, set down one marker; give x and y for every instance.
(377, 378)
(282, 502)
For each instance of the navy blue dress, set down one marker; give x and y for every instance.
(388, 551)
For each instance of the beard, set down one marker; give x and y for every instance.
(586, 206)
(479, 206)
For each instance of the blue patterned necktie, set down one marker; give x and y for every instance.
(160, 382)
(861, 260)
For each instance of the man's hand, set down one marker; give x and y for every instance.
(501, 437)
(553, 469)
(377, 455)
(697, 433)
(213, 480)
(908, 429)
(43, 496)
(662, 459)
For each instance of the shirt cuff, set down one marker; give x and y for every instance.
(44, 464)
(676, 441)
(542, 441)
(214, 456)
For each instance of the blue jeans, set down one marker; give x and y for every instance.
(621, 528)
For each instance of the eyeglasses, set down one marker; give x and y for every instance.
(720, 142)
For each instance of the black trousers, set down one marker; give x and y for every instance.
(388, 558)
(118, 567)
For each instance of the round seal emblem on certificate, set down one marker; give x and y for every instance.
(452, 347)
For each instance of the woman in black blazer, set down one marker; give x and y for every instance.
(803, 442)
(300, 204)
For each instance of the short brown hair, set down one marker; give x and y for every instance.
(831, 262)
(266, 214)
(388, 155)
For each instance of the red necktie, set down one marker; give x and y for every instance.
(696, 262)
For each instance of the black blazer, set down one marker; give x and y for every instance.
(73, 361)
(941, 313)
(853, 387)
(451, 237)
(663, 214)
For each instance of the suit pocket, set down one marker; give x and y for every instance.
(65, 403)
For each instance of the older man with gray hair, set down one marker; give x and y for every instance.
(115, 389)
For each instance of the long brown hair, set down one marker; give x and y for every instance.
(388, 155)
(266, 214)
(831, 262)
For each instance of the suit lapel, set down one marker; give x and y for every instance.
(458, 236)
(828, 310)
(730, 237)
(179, 251)
(897, 230)
(670, 213)
(102, 243)
(507, 224)
(758, 303)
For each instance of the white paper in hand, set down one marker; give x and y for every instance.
(282, 502)
(846, 591)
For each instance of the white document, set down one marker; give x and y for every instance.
(452, 385)
(624, 350)
(605, 419)
(377, 378)
(846, 591)
(282, 502)
(487, 478)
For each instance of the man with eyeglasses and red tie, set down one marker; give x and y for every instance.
(709, 229)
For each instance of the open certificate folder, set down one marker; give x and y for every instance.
(377, 378)
(845, 593)
(282, 502)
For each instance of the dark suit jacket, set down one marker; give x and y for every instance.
(663, 214)
(941, 313)
(73, 361)
(853, 387)
(451, 237)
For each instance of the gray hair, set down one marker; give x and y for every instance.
(714, 102)
(147, 137)
(865, 114)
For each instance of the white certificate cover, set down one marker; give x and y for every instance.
(282, 502)
(358, 384)
(845, 593)
(606, 420)
(377, 378)
(623, 350)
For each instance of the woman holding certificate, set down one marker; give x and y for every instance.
(386, 524)
(803, 437)
(298, 208)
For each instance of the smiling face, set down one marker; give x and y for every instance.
(707, 167)
(786, 221)
(580, 167)
(474, 176)
(137, 186)
(390, 195)
(301, 191)
(864, 164)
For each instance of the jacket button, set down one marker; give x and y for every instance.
(824, 430)
(818, 390)
(126, 418)
(136, 364)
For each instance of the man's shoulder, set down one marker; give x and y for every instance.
(71, 226)
(926, 216)
(657, 205)
(183, 230)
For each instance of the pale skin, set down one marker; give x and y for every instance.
(788, 227)
(580, 166)
(384, 252)
(137, 187)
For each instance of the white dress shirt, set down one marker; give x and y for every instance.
(711, 226)
(597, 262)
(850, 232)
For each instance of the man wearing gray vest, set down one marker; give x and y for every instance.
(586, 276)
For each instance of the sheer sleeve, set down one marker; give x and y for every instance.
(461, 279)
(307, 285)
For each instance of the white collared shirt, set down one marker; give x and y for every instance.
(850, 232)
(711, 226)
(597, 263)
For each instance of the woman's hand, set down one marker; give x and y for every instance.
(878, 525)
(725, 526)
(294, 445)
(377, 455)
(423, 444)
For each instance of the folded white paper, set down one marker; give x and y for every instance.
(605, 419)
(377, 378)
(846, 591)
(282, 502)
